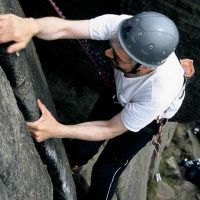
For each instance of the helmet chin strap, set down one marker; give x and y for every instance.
(135, 69)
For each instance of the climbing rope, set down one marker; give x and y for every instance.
(156, 141)
(104, 69)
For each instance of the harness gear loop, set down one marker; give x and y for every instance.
(156, 141)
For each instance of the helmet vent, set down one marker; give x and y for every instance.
(151, 46)
(147, 37)
(140, 34)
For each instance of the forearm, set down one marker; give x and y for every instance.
(20, 31)
(52, 28)
(48, 127)
(96, 131)
(93, 131)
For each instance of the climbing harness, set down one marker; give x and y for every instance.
(189, 71)
(104, 70)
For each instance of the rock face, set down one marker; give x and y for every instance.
(173, 168)
(28, 83)
(173, 172)
(187, 191)
(22, 174)
(164, 192)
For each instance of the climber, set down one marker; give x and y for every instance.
(149, 81)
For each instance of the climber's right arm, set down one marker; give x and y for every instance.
(21, 30)
(52, 28)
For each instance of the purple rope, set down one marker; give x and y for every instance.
(105, 71)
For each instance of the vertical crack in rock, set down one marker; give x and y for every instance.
(28, 83)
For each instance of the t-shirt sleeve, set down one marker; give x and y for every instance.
(136, 116)
(103, 27)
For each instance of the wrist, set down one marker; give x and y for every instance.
(35, 26)
(62, 131)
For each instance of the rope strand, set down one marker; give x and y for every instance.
(104, 70)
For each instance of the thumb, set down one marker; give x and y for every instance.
(42, 107)
(16, 47)
(31, 125)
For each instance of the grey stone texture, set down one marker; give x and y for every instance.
(28, 83)
(22, 173)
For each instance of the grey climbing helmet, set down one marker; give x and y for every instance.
(149, 37)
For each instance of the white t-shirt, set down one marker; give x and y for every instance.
(159, 93)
